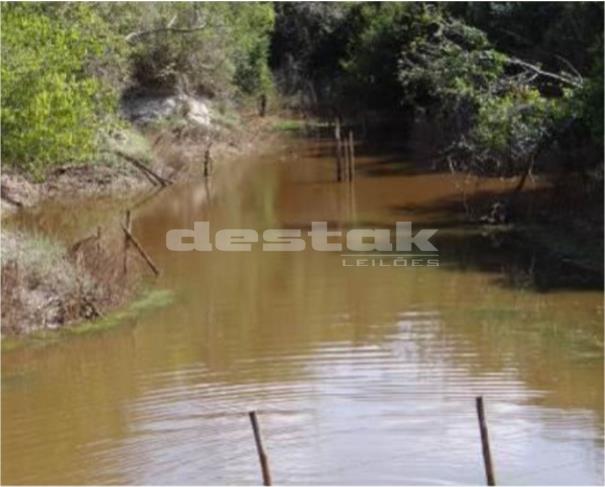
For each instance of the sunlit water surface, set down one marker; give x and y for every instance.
(360, 375)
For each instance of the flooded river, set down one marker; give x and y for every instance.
(360, 375)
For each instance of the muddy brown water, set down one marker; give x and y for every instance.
(360, 375)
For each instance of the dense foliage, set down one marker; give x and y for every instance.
(507, 79)
(64, 65)
(209, 48)
(53, 98)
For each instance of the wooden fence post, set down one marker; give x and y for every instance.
(351, 156)
(262, 456)
(487, 456)
(128, 226)
(347, 164)
(337, 137)
(144, 254)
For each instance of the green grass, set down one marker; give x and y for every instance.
(34, 250)
(147, 302)
(129, 142)
(289, 125)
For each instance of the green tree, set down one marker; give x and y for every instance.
(53, 102)
(214, 49)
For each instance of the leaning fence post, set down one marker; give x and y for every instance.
(126, 242)
(144, 254)
(487, 456)
(262, 456)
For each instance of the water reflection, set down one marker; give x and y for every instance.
(360, 376)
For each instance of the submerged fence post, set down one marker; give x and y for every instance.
(487, 456)
(338, 149)
(351, 156)
(262, 456)
(347, 165)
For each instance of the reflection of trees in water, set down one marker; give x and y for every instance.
(249, 328)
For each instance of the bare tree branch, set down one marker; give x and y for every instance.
(570, 66)
(134, 36)
(576, 83)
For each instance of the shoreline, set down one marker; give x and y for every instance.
(72, 285)
(252, 139)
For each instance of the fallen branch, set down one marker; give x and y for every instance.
(141, 251)
(143, 168)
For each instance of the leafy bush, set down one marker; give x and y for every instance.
(307, 45)
(492, 103)
(63, 64)
(52, 104)
(591, 96)
(509, 130)
(207, 48)
(372, 59)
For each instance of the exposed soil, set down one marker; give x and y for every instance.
(46, 286)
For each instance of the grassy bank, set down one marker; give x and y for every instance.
(146, 302)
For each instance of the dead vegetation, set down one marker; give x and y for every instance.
(46, 286)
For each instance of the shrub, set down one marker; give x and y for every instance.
(209, 48)
(495, 106)
(54, 100)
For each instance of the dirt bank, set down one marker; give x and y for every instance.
(175, 153)
(47, 285)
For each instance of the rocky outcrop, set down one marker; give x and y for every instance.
(144, 109)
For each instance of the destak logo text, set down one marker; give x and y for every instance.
(359, 247)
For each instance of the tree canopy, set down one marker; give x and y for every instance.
(505, 76)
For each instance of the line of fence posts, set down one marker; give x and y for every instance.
(345, 153)
(154, 177)
(129, 238)
(345, 170)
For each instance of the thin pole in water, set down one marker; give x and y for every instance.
(337, 138)
(262, 456)
(128, 226)
(347, 154)
(351, 156)
(144, 254)
(487, 456)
